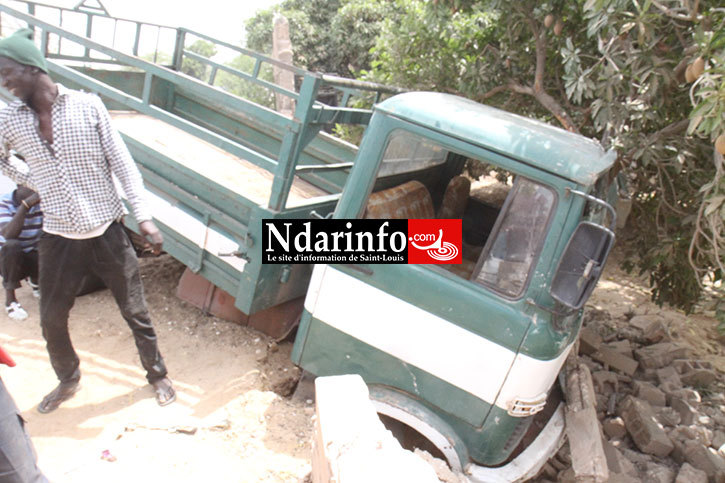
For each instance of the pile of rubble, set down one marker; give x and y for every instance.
(661, 411)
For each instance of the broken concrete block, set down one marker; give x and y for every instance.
(704, 458)
(642, 425)
(589, 340)
(701, 434)
(623, 346)
(652, 327)
(614, 427)
(582, 426)
(657, 473)
(648, 392)
(678, 454)
(669, 375)
(683, 365)
(615, 360)
(351, 444)
(718, 438)
(660, 355)
(620, 468)
(682, 406)
(644, 321)
(699, 378)
(605, 382)
(689, 395)
(668, 416)
(690, 474)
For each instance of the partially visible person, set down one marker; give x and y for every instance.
(18, 461)
(21, 223)
(73, 155)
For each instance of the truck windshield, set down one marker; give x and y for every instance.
(505, 216)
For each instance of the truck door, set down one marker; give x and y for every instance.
(446, 335)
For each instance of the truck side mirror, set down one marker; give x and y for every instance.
(581, 264)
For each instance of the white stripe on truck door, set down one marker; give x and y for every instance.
(426, 341)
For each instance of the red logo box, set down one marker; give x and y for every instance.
(434, 241)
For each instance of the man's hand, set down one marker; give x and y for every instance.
(149, 230)
(33, 199)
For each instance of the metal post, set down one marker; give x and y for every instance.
(137, 39)
(89, 31)
(179, 49)
(300, 132)
(146, 96)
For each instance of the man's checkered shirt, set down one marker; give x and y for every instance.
(73, 176)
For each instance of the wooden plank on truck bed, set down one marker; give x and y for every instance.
(219, 166)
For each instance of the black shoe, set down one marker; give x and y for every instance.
(63, 392)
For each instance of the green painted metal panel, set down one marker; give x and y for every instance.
(451, 298)
(329, 352)
(325, 351)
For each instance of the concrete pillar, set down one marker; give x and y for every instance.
(351, 445)
(282, 51)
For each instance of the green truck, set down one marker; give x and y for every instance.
(464, 354)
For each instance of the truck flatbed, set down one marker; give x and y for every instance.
(219, 166)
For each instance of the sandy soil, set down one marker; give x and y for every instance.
(226, 425)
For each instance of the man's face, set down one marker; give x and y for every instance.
(19, 79)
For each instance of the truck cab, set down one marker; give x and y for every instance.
(464, 354)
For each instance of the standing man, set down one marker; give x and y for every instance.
(21, 222)
(66, 139)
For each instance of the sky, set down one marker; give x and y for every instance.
(222, 19)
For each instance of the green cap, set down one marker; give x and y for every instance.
(21, 48)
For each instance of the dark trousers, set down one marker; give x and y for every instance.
(16, 265)
(17, 455)
(63, 265)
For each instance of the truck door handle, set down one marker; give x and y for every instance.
(364, 270)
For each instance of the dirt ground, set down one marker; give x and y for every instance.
(113, 430)
(227, 424)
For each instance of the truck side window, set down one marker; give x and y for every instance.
(507, 261)
(407, 152)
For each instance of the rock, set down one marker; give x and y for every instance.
(614, 359)
(614, 427)
(718, 438)
(644, 321)
(668, 416)
(689, 395)
(567, 476)
(649, 393)
(678, 454)
(699, 378)
(624, 347)
(703, 458)
(605, 382)
(682, 406)
(701, 434)
(669, 375)
(617, 463)
(683, 365)
(642, 425)
(690, 474)
(639, 459)
(657, 473)
(660, 355)
(589, 340)
(652, 326)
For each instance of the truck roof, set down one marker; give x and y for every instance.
(546, 147)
